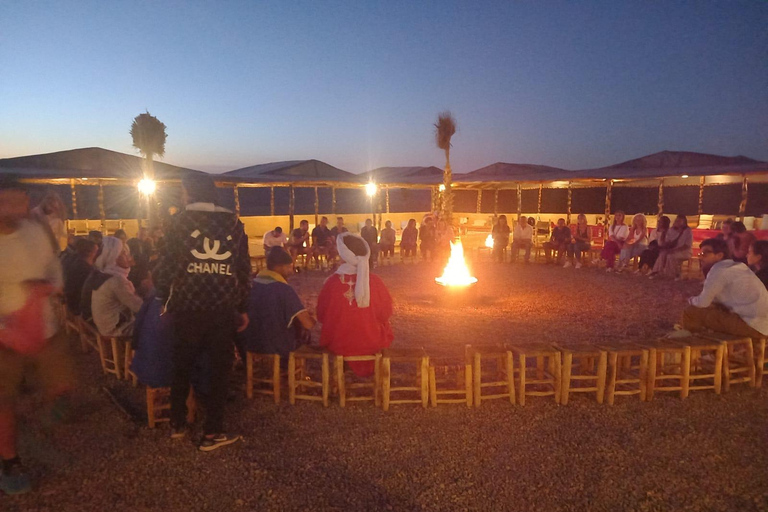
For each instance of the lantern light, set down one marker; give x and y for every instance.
(147, 187)
(684, 176)
(442, 188)
(371, 189)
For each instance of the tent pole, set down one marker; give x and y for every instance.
(608, 191)
(386, 192)
(495, 202)
(743, 204)
(291, 207)
(333, 200)
(479, 201)
(237, 200)
(317, 207)
(272, 201)
(568, 214)
(701, 195)
(538, 207)
(661, 197)
(74, 198)
(102, 212)
(519, 201)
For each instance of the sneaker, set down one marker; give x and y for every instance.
(578, 264)
(179, 432)
(567, 264)
(15, 480)
(208, 444)
(609, 270)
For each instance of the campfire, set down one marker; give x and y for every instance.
(489, 241)
(456, 273)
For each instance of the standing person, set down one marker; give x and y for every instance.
(53, 213)
(30, 335)
(371, 235)
(409, 240)
(275, 310)
(678, 247)
(637, 241)
(617, 235)
(427, 236)
(558, 242)
(274, 238)
(354, 307)
(204, 278)
(582, 239)
(733, 300)
(322, 242)
(76, 272)
(121, 235)
(500, 235)
(757, 258)
(656, 241)
(522, 238)
(387, 241)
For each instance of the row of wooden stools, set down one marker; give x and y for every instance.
(116, 354)
(515, 372)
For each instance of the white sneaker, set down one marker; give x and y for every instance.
(578, 264)
(567, 264)
(609, 270)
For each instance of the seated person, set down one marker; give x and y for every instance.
(141, 246)
(558, 242)
(678, 247)
(275, 312)
(76, 270)
(740, 241)
(299, 241)
(141, 279)
(637, 241)
(121, 235)
(322, 241)
(354, 307)
(274, 238)
(371, 235)
(757, 258)
(733, 300)
(409, 240)
(387, 240)
(617, 235)
(500, 235)
(655, 242)
(113, 297)
(582, 239)
(339, 228)
(522, 238)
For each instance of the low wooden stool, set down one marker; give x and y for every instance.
(114, 363)
(547, 370)
(159, 401)
(627, 370)
(415, 356)
(299, 378)
(71, 321)
(760, 361)
(660, 370)
(442, 389)
(89, 335)
(254, 383)
(343, 385)
(128, 373)
(503, 375)
(590, 367)
(739, 359)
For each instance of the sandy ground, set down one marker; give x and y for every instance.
(705, 453)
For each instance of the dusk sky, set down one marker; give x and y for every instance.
(359, 84)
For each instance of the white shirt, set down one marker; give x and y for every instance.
(734, 286)
(522, 234)
(618, 232)
(272, 240)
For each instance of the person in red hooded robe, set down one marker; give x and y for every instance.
(354, 307)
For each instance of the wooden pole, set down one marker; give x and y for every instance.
(74, 198)
(291, 208)
(743, 204)
(479, 201)
(701, 195)
(495, 202)
(538, 207)
(608, 191)
(661, 197)
(433, 199)
(102, 211)
(333, 200)
(272, 201)
(570, 195)
(237, 200)
(317, 207)
(519, 200)
(386, 192)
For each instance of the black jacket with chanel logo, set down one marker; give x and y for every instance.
(204, 264)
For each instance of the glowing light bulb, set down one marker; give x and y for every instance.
(147, 187)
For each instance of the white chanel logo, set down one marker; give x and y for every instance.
(210, 248)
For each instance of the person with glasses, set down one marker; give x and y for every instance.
(733, 301)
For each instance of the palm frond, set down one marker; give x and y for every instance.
(444, 130)
(148, 134)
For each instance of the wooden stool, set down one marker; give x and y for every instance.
(111, 364)
(627, 370)
(415, 356)
(739, 359)
(591, 365)
(159, 401)
(71, 321)
(129, 353)
(760, 361)
(299, 378)
(89, 336)
(343, 386)
(270, 361)
(660, 370)
(503, 375)
(443, 391)
(705, 366)
(545, 377)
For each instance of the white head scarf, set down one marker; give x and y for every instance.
(111, 248)
(357, 265)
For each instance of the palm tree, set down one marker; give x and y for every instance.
(149, 136)
(444, 130)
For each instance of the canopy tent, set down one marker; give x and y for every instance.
(292, 171)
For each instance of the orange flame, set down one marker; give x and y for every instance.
(456, 272)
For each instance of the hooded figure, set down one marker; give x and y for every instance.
(354, 306)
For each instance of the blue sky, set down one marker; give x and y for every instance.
(359, 84)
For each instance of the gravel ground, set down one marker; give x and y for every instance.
(706, 453)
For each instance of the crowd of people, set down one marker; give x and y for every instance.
(186, 295)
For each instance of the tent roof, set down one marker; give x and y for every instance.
(501, 171)
(87, 163)
(292, 171)
(413, 175)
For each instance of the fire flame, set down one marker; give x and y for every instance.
(456, 272)
(489, 242)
